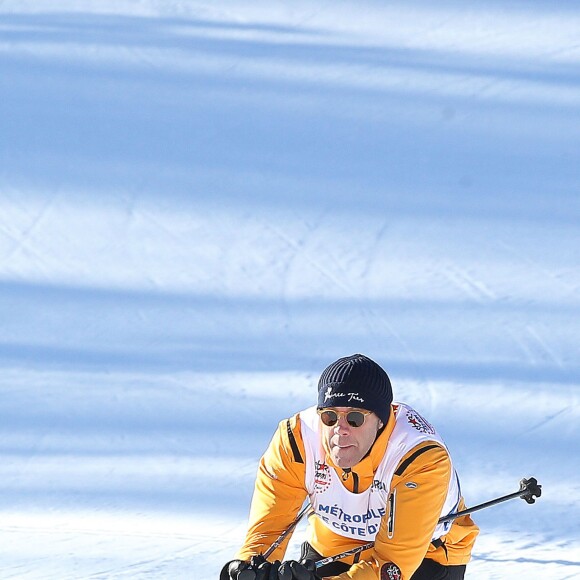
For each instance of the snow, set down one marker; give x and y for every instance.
(202, 204)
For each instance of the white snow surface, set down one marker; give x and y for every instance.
(202, 204)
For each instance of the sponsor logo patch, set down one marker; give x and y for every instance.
(411, 485)
(390, 572)
(321, 477)
(378, 485)
(419, 423)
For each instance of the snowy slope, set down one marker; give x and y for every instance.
(202, 204)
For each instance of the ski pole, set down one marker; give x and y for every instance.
(283, 535)
(529, 490)
(330, 559)
(250, 572)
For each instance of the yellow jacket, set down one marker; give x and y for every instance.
(280, 492)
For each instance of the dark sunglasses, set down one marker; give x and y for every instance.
(354, 418)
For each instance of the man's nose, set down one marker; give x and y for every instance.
(342, 425)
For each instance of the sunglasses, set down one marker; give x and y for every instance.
(354, 418)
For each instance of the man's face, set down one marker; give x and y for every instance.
(347, 444)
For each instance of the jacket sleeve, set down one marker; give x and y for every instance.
(417, 494)
(279, 492)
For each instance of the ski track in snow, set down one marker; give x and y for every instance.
(201, 207)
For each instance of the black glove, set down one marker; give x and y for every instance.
(256, 569)
(292, 570)
(233, 571)
(268, 570)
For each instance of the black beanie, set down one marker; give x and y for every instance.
(356, 381)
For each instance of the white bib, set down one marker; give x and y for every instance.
(358, 515)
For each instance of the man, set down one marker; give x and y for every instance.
(373, 471)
